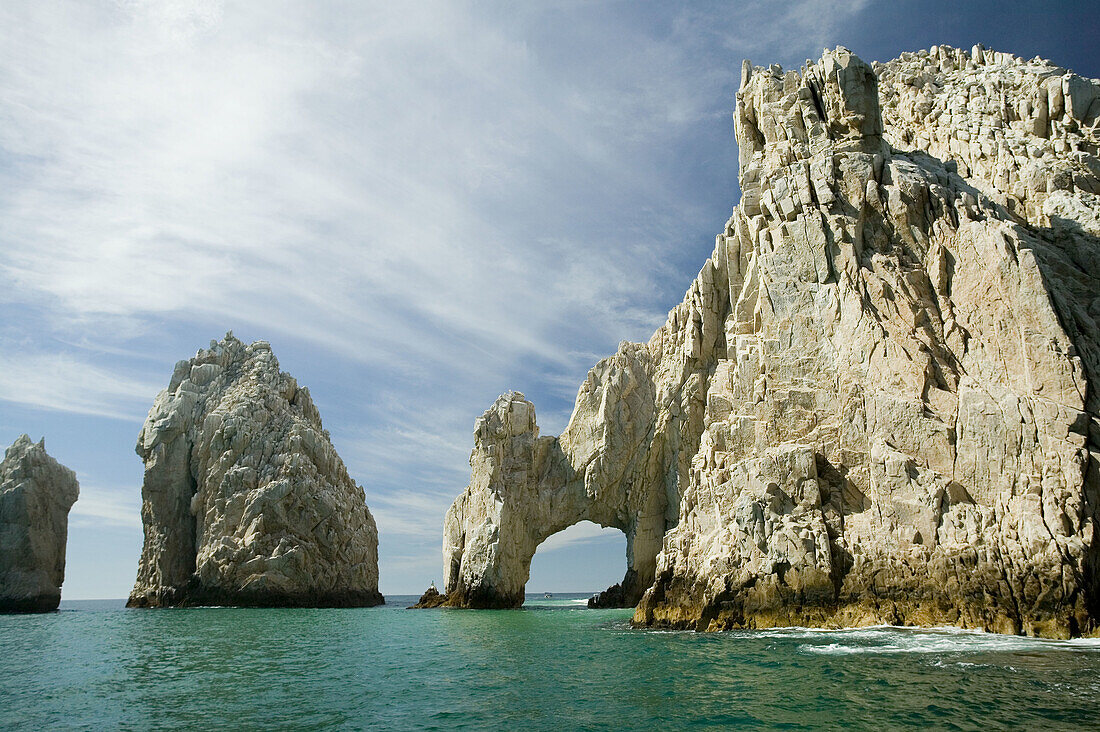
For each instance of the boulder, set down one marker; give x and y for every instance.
(432, 597)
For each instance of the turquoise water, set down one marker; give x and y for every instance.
(553, 665)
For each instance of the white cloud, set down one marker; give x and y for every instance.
(582, 533)
(351, 185)
(99, 506)
(411, 513)
(62, 382)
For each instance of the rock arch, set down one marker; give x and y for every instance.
(610, 466)
(879, 401)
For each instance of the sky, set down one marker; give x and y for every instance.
(419, 205)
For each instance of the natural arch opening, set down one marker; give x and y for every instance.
(584, 558)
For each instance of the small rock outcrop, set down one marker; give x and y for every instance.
(878, 401)
(36, 493)
(432, 597)
(245, 501)
(618, 595)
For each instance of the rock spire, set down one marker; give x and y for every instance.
(245, 501)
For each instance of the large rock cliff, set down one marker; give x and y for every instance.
(36, 493)
(878, 401)
(245, 501)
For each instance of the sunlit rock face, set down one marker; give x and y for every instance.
(878, 400)
(903, 428)
(245, 501)
(36, 493)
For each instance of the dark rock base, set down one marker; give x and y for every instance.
(205, 598)
(682, 604)
(46, 603)
(469, 599)
(625, 594)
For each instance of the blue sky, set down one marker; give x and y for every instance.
(420, 205)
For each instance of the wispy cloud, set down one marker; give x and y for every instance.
(306, 177)
(411, 513)
(583, 533)
(61, 382)
(98, 506)
(785, 33)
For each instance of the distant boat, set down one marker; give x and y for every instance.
(547, 595)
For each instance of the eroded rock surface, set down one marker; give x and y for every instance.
(525, 488)
(878, 401)
(36, 493)
(245, 501)
(904, 426)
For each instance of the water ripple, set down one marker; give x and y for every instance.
(549, 666)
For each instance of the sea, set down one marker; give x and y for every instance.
(552, 665)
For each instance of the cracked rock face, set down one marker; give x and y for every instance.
(245, 501)
(878, 401)
(903, 427)
(36, 493)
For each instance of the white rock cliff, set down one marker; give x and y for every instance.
(36, 493)
(878, 401)
(245, 501)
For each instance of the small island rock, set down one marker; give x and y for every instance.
(431, 598)
(245, 501)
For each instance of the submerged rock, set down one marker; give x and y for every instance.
(878, 400)
(36, 493)
(245, 501)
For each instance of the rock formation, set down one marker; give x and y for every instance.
(36, 493)
(617, 595)
(432, 597)
(245, 501)
(878, 401)
(525, 488)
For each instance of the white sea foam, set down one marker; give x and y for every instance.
(887, 639)
(883, 639)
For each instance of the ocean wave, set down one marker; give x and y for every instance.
(889, 639)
